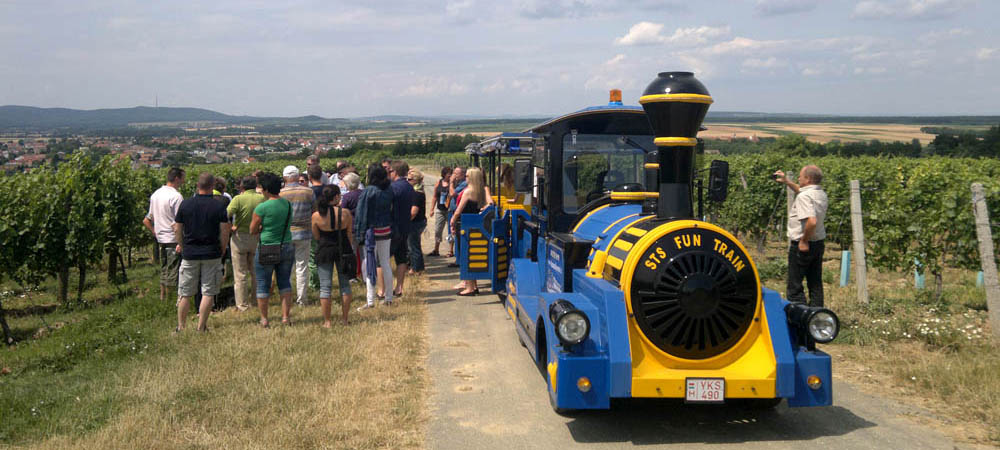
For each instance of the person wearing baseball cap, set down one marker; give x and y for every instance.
(301, 198)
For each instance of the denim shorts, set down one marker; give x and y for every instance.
(325, 272)
(283, 271)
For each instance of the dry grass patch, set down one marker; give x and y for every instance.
(298, 386)
(910, 346)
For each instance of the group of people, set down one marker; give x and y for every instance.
(280, 223)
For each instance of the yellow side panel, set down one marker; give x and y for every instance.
(477, 241)
(477, 258)
(475, 234)
(477, 250)
(478, 265)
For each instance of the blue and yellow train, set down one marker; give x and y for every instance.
(614, 286)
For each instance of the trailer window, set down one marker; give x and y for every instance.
(594, 164)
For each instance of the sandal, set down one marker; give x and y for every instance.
(265, 324)
(468, 294)
(434, 253)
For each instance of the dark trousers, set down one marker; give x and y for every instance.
(810, 266)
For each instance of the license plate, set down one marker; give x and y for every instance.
(705, 390)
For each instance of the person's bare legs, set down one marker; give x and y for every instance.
(379, 282)
(325, 305)
(400, 277)
(182, 311)
(204, 311)
(345, 307)
(262, 306)
(286, 307)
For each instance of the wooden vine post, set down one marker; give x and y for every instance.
(987, 257)
(857, 229)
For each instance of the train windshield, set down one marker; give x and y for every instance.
(594, 164)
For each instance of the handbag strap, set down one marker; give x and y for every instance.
(336, 229)
(287, 219)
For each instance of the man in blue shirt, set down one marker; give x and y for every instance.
(402, 201)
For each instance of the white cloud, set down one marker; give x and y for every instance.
(782, 7)
(740, 45)
(869, 70)
(761, 63)
(812, 71)
(431, 87)
(648, 33)
(909, 9)
(642, 33)
(985, 54)
(610, 75)
(939, 36)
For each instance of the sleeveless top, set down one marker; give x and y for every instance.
(328, 249)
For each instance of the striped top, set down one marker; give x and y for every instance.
(301, 198)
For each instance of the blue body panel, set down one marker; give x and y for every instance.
(812, 363)
(777, 323)
(597, 222)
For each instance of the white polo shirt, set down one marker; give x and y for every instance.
(811, 201)
(163, 206)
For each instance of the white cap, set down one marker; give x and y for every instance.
(290, 171)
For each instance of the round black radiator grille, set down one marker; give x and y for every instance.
(694, 293)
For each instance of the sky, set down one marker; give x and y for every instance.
(493, 58)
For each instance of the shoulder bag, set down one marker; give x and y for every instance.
(271, 254)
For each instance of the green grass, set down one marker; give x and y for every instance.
(55, 384)
(110, 374)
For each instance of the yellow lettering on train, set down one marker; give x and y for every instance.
(687, 240)
(730, 255)
(655, 258)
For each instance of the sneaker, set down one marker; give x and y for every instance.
(365, 306)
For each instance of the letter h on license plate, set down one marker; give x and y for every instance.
(705, 390)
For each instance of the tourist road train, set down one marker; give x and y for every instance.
(614, 285)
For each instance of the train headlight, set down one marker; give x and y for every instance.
(572, 325)
(821, 324)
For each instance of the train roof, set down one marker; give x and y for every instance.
(593, 110)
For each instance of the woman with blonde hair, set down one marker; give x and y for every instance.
(473, 199)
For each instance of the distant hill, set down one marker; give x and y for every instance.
(29, 118)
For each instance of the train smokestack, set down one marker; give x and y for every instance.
(675, 104)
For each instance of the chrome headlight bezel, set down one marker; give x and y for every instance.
(561, 312)
(812, 320)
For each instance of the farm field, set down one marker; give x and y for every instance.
(818, 132)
